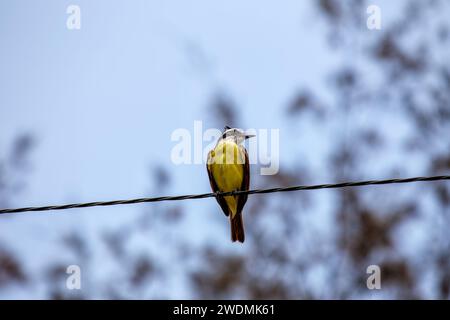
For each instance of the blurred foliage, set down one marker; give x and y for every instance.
(14, 168)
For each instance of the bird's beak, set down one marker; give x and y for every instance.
(247, 136)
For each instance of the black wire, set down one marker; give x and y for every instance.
(210, 195)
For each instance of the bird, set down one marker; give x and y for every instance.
(229, 170)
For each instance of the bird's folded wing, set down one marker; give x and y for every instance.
(242, 199)
(220, 199)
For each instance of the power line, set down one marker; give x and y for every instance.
(211, 195)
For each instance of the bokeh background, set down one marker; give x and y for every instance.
(88, 114)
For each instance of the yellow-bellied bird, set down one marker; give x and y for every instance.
(228, 170)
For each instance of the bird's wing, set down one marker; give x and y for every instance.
(220, 199)
(242, 199)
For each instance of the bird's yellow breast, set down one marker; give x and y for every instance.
(227, 166)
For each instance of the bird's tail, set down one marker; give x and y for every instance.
(237, 228)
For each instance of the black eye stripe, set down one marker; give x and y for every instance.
(230, 132)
